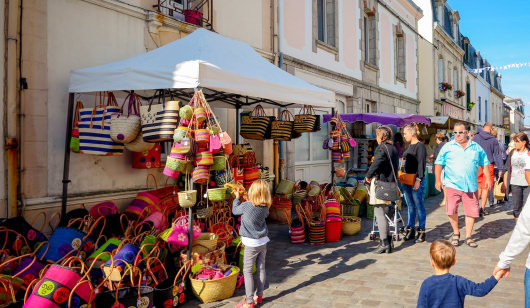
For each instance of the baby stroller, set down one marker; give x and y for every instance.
(396, 226)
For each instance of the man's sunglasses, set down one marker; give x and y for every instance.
(460, 132)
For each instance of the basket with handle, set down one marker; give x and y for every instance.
(217, 289)
(125, 128)
(188, 197)
(172, 291)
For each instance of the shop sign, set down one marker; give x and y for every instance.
(453, 111)
(506, 122)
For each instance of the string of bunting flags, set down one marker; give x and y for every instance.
(498, 68)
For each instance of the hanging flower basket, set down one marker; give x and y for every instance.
(444, 86)
(459, 93)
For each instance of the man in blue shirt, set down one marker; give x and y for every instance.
(461, 158)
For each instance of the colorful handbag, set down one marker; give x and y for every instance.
(54, 289)
(250, 174)
(223, 177)
(344, 146)
(304, 122)
(282, 128)
(160, 120)
(180, 132)
(103, 209)
(74, 140)
(200, 174)
(204, 159)
(214, 145)
(219, 163)
(65, 240)
(226, 141)
(188, 197)
(200, 114)
(202, 135)
(257, 125)
(148, 159)
(124, 129)
(172, 291)
(94, 127)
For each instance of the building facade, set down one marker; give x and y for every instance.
(365, 51)
(513, 119)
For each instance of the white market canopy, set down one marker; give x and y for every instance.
(204, 59)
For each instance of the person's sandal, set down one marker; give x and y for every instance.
(456, 239)
(471, 243)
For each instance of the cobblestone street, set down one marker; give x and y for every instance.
(347, 274)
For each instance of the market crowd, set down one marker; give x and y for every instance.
(471, 169)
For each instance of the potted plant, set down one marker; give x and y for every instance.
(444, 86)
(193, 17)
(470, 106)
(459, 93)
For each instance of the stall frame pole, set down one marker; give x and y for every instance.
(66, 161)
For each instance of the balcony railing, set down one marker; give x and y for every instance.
(198, 12)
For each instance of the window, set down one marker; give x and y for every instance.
(400, 58)
(440, 70)
(486, 110)
(369, 39)
(479, 109)
(326, 10)
(455, 79)
(468, 93)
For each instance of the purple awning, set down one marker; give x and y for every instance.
(397, 119)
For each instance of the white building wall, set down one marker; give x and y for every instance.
(97, 36)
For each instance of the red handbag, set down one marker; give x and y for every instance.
(148, 159)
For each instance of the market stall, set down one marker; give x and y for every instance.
(204, 69)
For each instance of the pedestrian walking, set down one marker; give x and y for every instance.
(415, 160)
(517, 175)
(254, 235)
(496, 172)
(385, 161)
(441, 140)
(519, 242)
(444, 289)
(399, 144)
(461, 158)
(490, 144)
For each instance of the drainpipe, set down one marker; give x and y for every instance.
(11, 104)
(279, 145)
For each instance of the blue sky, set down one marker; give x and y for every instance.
(500, 30)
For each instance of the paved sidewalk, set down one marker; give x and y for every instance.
(347, 274)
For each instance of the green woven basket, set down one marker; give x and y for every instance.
(219, 163)
(216, 194)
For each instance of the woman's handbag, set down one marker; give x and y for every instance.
(406, 178)
(148, 159)
(172, 291)
(188, 197)
(94, 127)
(139, 145)
(282, 128)
(498, 192)
(124, 129)
(387, 191)
(160, 120)
(304, 122)
(256, 126)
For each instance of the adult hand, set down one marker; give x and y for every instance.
(367, 180)
(438, 185)
(417, 184)
(502, 272)
(236, 193)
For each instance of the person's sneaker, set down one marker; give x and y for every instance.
(258, 299)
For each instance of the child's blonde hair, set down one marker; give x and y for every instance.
(259, 193)
(442, 254)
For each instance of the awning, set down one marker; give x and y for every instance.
(223, 67)
(446, 122)
(397, 119)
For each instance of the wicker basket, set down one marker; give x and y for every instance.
(350, 227)
(187, 198)
(206, 239)
(216, 194)
(215, 290)
(204, 210)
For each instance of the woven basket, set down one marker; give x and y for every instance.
(206, 239)
(139, 145)
(219, 163)
(351, 227)
(204, 211)
(216, 194)
(215, 290)
(187, 198)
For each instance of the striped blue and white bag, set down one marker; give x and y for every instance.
(94, 128)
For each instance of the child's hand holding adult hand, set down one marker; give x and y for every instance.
(501, 272)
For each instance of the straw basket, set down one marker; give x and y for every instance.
(215, 290)
(216, 194)
(351, 225)
(207, 240)
(187, 198)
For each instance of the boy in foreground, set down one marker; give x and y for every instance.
(444, 289)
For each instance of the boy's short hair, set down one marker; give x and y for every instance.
(303, 184)
(442, 253)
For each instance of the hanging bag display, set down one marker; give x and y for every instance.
(257, 125)
(282, 128)
(94, 127)
(74, 140)
(304, 122)
(188, 197)
(160, 120)
(124, 129)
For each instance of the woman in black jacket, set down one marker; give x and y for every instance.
(381, 170)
